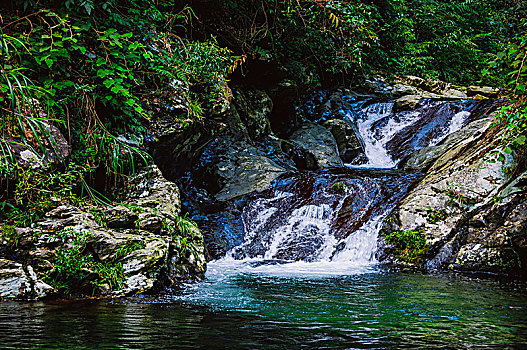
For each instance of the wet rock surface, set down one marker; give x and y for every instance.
(472, 218)
(319, 142)
(311, 215)
(348, 141)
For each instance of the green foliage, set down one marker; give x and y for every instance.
(339, 187)
(437, 215)
(410, 246)
(185, 229)
(9, 235)
(447, 40)
(96, 70)
(128, 248)
(511, 64)
(42, 189)
(75, 268)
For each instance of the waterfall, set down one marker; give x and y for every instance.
(334, 216)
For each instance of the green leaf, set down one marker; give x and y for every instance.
(520, 140)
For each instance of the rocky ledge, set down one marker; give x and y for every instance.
(137, 246)
(471, 211)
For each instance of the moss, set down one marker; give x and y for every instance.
(435, 216)
(9, 235)
(410, 246)
(339, 187)
(74, 268)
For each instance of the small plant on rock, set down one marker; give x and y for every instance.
(410, 245)
(339, 187)
(75, 268)
(436, 215)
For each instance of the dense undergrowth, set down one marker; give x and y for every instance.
(99, 71)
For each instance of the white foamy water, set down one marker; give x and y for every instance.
(374, 148)
(303, 223)
(305, 233)
(360, 246)
(457, 122)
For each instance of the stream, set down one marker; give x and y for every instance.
(303, 271)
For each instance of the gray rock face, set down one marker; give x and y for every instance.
(464, 179)
(119, 217)
(254, 108)
(425, 157)
(54, 144)
(238, 168)
(348, 144)
(143, 235)
(484, 91)
(406, 103)
(148, 188)
(495, 239)
(318, 141)
(19, 283)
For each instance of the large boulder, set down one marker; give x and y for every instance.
(318, 141)
(232, 169)
(149, 188)
(495, 239)
(140, 243)
(461, 183)
(144, 256)
(348, 143)
(405, 103)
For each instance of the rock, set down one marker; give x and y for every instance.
(230, 170)
(190, 262)
(497, 242)
(54, 144)
(318, 141)
(254, 108)
(149, 221)
(304, 159)
(17, 283)
(148, 188)
(460, 183)
(432, 88)
(140, 236)
(348, 143)
(406, 103)
(402, 90)
(423, 158)
(455, 93)
(65, 216)
(143, 261)
(482, 91)
(119, 217)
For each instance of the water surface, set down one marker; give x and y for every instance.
(252, 306)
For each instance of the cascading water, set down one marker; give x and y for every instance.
(326, 222)
(306, 261)
(335, 215)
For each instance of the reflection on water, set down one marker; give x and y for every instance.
(253, 309)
